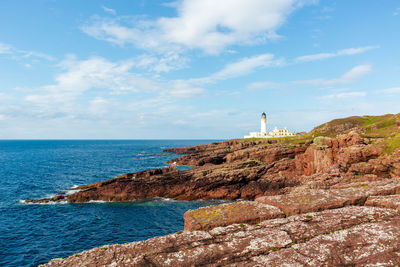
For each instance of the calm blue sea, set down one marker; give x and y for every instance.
(34, 234)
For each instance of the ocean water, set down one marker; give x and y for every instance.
(34, 234)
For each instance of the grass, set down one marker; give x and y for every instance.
(383, 127)
(375, 128)
(249, 139)
(338, 126)
(391, 144)
(380, 126)
(287, 140)
(369, 120)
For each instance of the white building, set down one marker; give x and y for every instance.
(264, 134)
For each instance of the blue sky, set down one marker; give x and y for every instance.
(194, 68)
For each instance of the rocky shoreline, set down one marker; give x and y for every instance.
(330, 197)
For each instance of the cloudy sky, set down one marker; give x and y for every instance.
(150, 69)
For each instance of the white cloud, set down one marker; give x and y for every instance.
(344, 95)
(343, 52)
(144, 34)
(242, 67)
(246, 65)
(3, 117)
(180, 122)
(19, 53)
(358, 50)
(390, 91)
(207, 25)
(99, 74)
(109, 10)
(397, 12)
(165, 63)
(81, 76)
(314, 57)
(182, 89)
(348, 77)
(98, 106)
(354, 74)
(5, 49)
(33, 54)
(261, 85)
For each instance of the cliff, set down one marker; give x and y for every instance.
(329, 197)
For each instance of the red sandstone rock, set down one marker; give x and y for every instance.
(352, 235)
(314, 200)
(222, 215)
(350, 139)
(316, 159)
(369, 244)
(248, 169)
(391, 201)
(383, 187)
(338, 196)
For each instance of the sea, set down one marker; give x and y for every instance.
(31, 234)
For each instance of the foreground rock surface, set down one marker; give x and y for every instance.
(355, 236)
(248, 233)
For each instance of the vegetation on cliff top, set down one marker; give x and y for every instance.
(371, 126)
(384, 128)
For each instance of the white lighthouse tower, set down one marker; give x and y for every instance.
(263, 124)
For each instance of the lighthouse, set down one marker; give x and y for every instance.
(264, 134)
(263, 124)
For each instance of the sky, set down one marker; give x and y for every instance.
(193, 69)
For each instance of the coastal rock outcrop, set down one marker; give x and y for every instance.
(355, 236)
(246, 173)
(340, 232)
(248, 169)
(326, 198)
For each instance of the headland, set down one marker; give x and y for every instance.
(328, 197)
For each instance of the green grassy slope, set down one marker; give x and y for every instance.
(383, 128)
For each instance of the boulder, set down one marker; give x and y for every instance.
(207, 218)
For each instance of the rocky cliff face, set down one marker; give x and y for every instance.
(246, 170)
(330, 197)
